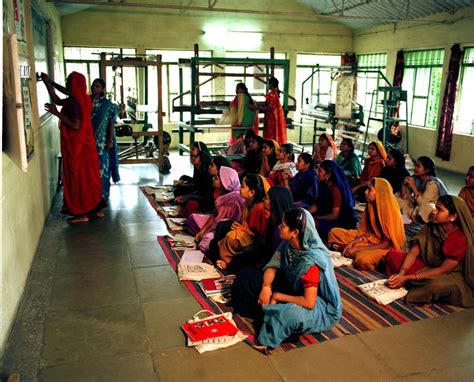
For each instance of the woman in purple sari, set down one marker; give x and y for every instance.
(228, 206)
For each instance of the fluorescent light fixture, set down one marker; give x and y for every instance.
(219, 36)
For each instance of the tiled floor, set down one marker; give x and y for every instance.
(103, 304)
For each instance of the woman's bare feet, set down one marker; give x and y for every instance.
(78, 219)
(99, 214)
(221, 264)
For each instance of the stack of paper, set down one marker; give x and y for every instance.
(217, 286)
(182, 241)
(176, 224)
(196, 271)
(381, 293)
(338, 260)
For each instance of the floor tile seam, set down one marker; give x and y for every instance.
(90, 357)
(102, 357)
(377, 355)
(92, 309)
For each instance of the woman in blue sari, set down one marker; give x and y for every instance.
(298, 291)
(104, 114)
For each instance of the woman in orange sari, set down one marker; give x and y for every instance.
(274, 123)
(381, 228)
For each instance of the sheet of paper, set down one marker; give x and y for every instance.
(192, 256)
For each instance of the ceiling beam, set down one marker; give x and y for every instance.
(236, 10)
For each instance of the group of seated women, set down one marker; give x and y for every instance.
(267, 223)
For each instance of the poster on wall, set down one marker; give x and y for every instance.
(345, 91)
(25, 71)
(19, 17)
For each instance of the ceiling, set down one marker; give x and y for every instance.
(355, 14)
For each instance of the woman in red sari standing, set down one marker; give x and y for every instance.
(81, 175)
(274, 123)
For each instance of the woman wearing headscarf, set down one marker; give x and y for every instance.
(297, 292)
(380, 230)
(373, 166)
(228, 207)
(82, 188)
(243, 112)
(395, 171)
(419, 192)
(335, 204)
(439, 267)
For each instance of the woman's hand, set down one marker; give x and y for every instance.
(265, 296)
(199, 236)
(350, 250)
(397, 281)
(45, 78)
(236, 225)
(50, 107)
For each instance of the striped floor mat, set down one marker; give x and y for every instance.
(359, 315)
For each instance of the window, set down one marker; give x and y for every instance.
(313, 78)
(370, 68)
(422, 80)
(464, 112)
(170, 87)
(86, 61)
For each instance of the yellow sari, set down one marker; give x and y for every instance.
(381, 221)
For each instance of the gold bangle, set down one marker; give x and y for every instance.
(267, 286)
(417, 278)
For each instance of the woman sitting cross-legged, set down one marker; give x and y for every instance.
(381, 228)
(196, 195)
(248, 236)
(419, 192)
(335, 203)
(297, 292)
(228, 207)
(304, 185)
(440, 264)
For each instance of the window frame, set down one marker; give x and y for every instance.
(411, 100)
(457, 107)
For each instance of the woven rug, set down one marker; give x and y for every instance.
(359, 315)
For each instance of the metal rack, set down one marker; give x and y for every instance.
(390, 133)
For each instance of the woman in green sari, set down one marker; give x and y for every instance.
(243, 112)
(440, 263)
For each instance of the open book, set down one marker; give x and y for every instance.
(338, 260)
(381, 293)
(182, 241)
(196, 271)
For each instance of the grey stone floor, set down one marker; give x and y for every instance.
(103, 304)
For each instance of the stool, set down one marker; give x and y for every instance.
(60, 172)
